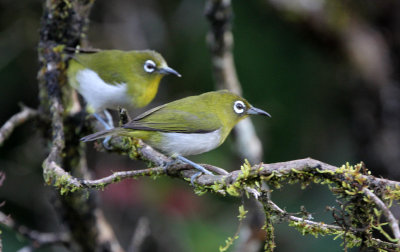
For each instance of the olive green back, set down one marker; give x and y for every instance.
(195, 114)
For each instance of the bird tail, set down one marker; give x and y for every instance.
(103, 134)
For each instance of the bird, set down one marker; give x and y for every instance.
(108, 79)
(188, 126)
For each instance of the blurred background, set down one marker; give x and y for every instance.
(327, 72)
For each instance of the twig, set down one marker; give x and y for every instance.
(220, 42)
(37, 239)
(283, 213)
(142, 232)
(117, 176)
(318, 225)
(394, 223)
(52, 171)
(21, 117)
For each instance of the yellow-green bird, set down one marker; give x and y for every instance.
(188, 126)
(111, 78)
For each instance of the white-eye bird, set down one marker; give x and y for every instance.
(111, 78)
(188, 126)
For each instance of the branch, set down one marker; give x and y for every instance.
(313, 226)
(37, 239)
(394, 223)
(51, 165)
(142, 231)
(16, 120)
(346, 181)
(268, 172)
(63, 25)
(220, 42)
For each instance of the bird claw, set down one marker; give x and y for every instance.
(253, 192)
(106, 143)
(195, 176)
(107, 125)
(197, 166)
(110, 122)
(167, 164)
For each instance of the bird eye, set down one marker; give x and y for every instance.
(239, 107)
(149, 66)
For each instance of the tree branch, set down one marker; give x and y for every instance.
(272, 173)
(322, 228)
(220, 42)
(63, 25)
(37, 239)
(394, 223)
(347, 181)
(16, 120)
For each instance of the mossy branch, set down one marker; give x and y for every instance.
(353, 183)
(366, 196)
(64, 24)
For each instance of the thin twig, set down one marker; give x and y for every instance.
(142, 232)
(37, 239)
(117, 176)
(279, 210)
(16, 120)
(318, 225)
(394, 223)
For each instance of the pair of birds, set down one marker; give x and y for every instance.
(189, 126)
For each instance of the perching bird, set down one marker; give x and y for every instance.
(188, 126)
(111, 78)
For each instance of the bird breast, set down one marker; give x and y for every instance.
(99, 94)
(186, 144)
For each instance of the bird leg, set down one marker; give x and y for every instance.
(109, 118)
(101, 120)
(197, 166)
(107, 125)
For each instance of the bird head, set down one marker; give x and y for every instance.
(232, 108)
(147, 69)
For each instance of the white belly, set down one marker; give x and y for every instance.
(185, 144)
(99, 94)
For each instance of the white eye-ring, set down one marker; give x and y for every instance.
(239, 107)
(149, 66)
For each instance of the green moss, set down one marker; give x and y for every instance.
(356, 210)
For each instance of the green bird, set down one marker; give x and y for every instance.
(188, 126)
(111, 78)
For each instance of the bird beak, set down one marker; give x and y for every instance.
(168, 70)
(257, 111)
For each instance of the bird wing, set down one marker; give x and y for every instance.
(170, 118)
(105, 64)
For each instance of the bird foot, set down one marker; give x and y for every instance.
(106, 125)
(197, 166)
(166, 165)
(106, 143)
